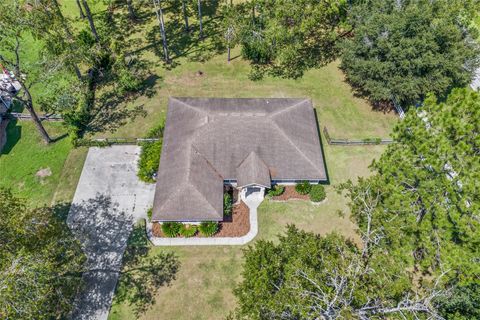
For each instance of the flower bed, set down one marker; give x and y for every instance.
(291, 193)
(235, 226)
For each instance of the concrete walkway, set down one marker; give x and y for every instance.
(252, 202)
(108, 200)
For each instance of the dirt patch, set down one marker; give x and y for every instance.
(235, 226)
(42, 173)
(290, 193)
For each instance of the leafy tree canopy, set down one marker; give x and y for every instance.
(306, 276)
(287, 37)
(40, 262)
(404, 50)
(418, 219)
(426, 191)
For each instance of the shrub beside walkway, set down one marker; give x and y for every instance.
(252, 202)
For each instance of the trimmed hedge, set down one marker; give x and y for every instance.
(303, 187)
(276, 190)
(150, 156)
(171, 229)
(317, 193)
(227, 205)
(208, 228)
(187, 230)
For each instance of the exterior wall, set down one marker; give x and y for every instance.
(290, 182)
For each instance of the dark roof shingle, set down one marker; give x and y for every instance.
(206, 141)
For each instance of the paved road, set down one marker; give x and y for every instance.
(108, 200)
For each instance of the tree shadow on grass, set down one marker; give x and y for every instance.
(189, 44)
(107, 234)
(13, 135)
(111, 109)
(144, 273)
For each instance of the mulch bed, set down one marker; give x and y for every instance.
(236, 226)
(290, 193)
(239, 224)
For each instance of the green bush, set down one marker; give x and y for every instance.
(317, 193)
(150, 155)
(208, 228)
(171, 229)
(187, 230)
(303, 187)
(149, 214)
(90, 143)
(227, 205)
(276, 190)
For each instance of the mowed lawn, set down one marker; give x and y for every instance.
(207, 276)
(204, 285)
(203, 289)
(32, 169)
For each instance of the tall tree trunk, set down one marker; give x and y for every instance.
(131, 12)
(200, 18)
(33, 114)
(159, 13)
(90, 20)
(185, 15)
(82, 15)
(69, 36)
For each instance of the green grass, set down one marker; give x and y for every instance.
(207, 276)
(203, 289)
(25, 154)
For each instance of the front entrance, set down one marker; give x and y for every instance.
(252, 192)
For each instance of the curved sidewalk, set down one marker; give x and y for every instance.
(223, 241)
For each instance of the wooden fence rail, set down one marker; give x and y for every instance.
(355, 142)
(25, 116)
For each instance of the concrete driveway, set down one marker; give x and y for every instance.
(108, 200)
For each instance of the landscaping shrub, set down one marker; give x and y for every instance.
(276, 190)
(149, 214)
(150, 156)
(171, 229)
(208, 228)
(188, 230)
(317, 193)
(303, 187)
(227, 205)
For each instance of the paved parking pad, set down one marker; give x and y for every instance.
(108, 200)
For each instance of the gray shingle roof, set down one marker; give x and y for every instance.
(208, 140)
(252, 170)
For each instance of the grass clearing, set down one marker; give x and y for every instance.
(25, 155)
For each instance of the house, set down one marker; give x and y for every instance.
(250, 144)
